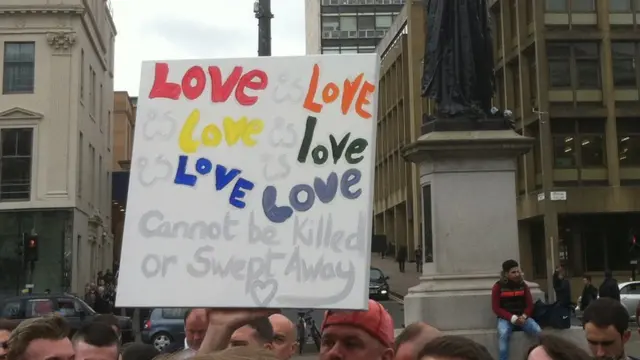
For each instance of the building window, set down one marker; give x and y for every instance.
(384, 21)
(100, 117)
(583, 5)
(331, 51)
(15, 168)
(556, 5)
(531, 12)
(514, 18)
(592, 144)
(348, 23)
(564, 151)
(624, 64)
(92, 90)
(628, 142)
(516, 87)
(19, 67)
(584, 57)
(80, 163)
(92, 175)
(109, 130)
(81, 74)
(559, 55)
(620, 5)
(330, 23)
(587, 64)
(366, 22)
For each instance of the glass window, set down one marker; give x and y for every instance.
(592, 150)
(384, 21)
(556, 5)
(68, 307)
(620, 5)
(629, 148)
(559, 73)
(366, 22)
(624, 64)
(375, 274)
(39, 307)
(348, 23)
(11, 310)
(19, 67)
(330, 23)
(174, 313)
(564, 151)
(632, 289)
(348, 51)
(637, 3)
(331, 51)
(15, 163)
(587, 60)
(583, 5)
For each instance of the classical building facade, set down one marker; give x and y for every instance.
(124, 123)
(347, 26)
(569, 71)
(55, 139)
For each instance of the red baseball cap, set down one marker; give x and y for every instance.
(376, 321)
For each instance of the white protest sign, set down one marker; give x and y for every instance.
(251, 184)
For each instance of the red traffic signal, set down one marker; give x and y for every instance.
(30, 247)
(32, 243)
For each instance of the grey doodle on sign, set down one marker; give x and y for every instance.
(160, 127)
(162, 164)
(294, 93)
(278, 139)
(267, 169)
(271, 288)
(152, 224)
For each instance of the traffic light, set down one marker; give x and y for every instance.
(30, 247)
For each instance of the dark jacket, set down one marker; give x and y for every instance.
(589, 294)
(610, 289)
(174, 347)
(509, 298)
(562, 288)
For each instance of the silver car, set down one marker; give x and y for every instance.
(629, 297)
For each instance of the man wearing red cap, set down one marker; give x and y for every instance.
(358, 335)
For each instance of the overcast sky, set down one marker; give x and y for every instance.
(186, 29)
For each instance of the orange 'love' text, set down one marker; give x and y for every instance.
(211, 136)
(331, 92)
(194, 82)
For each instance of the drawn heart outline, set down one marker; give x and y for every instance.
(271, 285)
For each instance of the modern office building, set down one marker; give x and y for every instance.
(55, 127)
(347, 26)
(568, 69)
(124, 123)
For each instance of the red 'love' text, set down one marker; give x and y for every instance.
(331, 92)
(194, 82)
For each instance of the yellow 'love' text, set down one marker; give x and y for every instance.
(212, 135)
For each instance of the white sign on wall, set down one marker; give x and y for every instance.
(251, 184)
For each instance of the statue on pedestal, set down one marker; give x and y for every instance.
(458, 67)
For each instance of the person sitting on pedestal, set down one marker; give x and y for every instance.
(512, 303)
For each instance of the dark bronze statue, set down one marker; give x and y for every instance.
(458, 67)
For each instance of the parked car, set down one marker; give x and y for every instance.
(629, 297)
(163, 327)
(72, 308)
(378, 285)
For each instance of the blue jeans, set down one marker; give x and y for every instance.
(505, 328)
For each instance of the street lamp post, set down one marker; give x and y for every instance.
(262, 10)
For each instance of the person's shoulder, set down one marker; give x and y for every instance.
(173, 347)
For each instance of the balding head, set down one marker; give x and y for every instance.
(285, 336)
(195, 326)
(413, 339)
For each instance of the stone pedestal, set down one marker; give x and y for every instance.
(474, 228)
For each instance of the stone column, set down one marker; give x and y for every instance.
(474, 224)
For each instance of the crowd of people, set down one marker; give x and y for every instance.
(265, 334)
(101, 295)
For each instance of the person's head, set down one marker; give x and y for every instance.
(285, 339)
(356, 335)
(40, 338)
(606, 328)
(451, 347)
(511, 270)
(412, 339)
(110, 320)
(101, 290)
(137, 351)
(586, 279)
(259, 332)
(6, 327)
(195, 327)
(96, 341)
(608, 274)
(560, 271)
(238, 353)
(551, 347)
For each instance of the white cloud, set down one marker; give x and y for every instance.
(188, 29)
